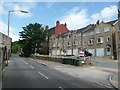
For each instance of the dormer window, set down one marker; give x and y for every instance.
(97, 30)
(106, 29)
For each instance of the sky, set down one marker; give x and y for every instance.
(75, 14)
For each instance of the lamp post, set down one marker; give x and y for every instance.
(9, 17)
(7, 52)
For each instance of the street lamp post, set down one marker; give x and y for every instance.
(9, 17)
(9, 28)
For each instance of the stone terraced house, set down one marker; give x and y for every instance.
(101, 39)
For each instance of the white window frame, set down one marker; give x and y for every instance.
(97, 30)
(53, 45)
(69, 43)
(80, 42)
(118, 28)
(91, 33)
(107, 38)
(84, 43)
(58, 44)
(106, 29)
(92, 41)
(101, 39)
(75, 42)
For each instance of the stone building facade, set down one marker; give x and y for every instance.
(101, 39)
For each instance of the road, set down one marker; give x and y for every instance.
(24, 73)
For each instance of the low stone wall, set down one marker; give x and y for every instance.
(46, 57)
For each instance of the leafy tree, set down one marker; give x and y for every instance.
(15, 47)
(33, 35)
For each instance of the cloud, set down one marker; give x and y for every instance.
(77, 18)
(26, 6)
(4, 30)
(1, 8)
(14, 37)
(106, 14)
(21, 7)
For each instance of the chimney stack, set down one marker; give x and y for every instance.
(46, 27)
(57, 23)
(65, 24)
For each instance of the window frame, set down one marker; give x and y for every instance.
(97, 30)
(106, 29)
(101, 39)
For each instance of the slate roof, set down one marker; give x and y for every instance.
(111, 22)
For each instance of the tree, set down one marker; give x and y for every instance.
(33, 35)
(15, 47)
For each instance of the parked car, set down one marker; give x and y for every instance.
(21, 54)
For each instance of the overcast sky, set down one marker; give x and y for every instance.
(75, 14)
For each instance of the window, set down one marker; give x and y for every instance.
(106, 29)
(84, 43)
(79, 34)
(108, 49)
(91, 41)
(74, 35)
(119, 28)
(75, 42)
(58, 44)
(108, 38)
(119, 41)
(85, 34)
(91, 33)
(69, 43)
(97, 30)
(80, 42)
(69, 36)
(100, 40)
(53, 45)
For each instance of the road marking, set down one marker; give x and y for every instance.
(32, 67)
(43, 75)
(25, 62)
(61, 88)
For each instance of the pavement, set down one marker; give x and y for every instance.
(109, 66)
(101, 72)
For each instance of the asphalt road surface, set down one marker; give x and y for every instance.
(24, 73)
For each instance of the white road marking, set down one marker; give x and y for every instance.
(43, 75)
(61, 88)
(25, 62)
(32, 67)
